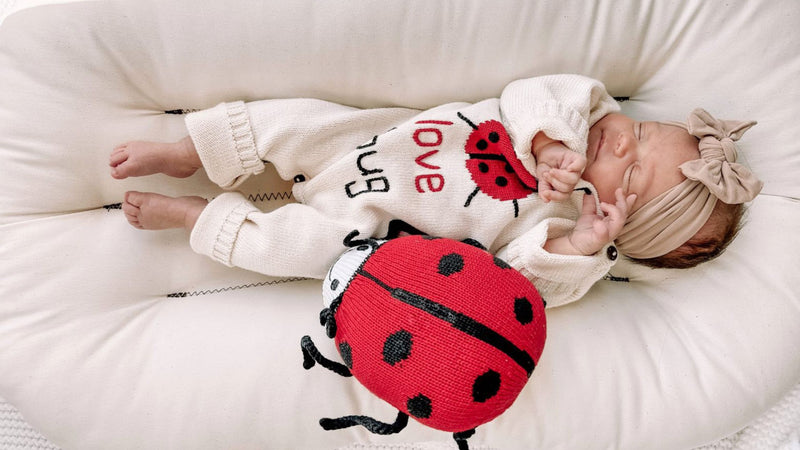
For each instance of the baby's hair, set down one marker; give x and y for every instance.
(709, 242)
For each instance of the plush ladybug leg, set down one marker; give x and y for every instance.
(461, 438)
(374, 426)
(312, 355)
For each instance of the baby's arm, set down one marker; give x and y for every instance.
(564, 257)
(593, 231)
(560, 278)
(558, 169)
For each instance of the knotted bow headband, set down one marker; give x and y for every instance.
(669, 220)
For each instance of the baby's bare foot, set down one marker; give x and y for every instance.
(135, 159)
(149, 211)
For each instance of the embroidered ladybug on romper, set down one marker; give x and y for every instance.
(442, 330)
(494, 166)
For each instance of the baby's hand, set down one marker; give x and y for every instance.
(558, 170)
(593, 230)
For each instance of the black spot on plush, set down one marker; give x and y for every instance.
(451, 264)
(397, 347)
(347, 354)
(420, 407)
(523, 310)
(486, 386)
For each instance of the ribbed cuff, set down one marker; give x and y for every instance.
(217, 228)
(224, 141)
(243, 139)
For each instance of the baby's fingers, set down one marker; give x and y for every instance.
(544, 188)
(614, 220)
(629, 202)
(556, 196)
(564, 180)
(624, 203)
(560, 183)
(555, 189)
(575, 163)
(589, 207)
(617, 214)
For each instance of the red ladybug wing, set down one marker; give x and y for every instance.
(422, 365)
(496, 179)
(491, 138)
(468, 280)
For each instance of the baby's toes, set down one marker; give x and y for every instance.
(134, 221)
(131, 211)
(134, 198)
(117, 160)
(118, 155)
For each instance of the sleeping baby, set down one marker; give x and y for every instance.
(550, 177)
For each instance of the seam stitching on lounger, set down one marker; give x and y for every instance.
(269, 196)
(232, 288)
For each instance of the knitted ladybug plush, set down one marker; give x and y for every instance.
(442, 330)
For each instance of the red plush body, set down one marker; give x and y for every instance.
(441, 330)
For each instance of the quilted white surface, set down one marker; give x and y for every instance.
(115, 338)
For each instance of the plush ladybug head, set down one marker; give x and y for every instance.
(440, 329)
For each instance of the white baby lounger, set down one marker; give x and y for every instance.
(111, 337)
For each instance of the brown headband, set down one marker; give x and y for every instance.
(669, 220)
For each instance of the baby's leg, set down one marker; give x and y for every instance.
(134, 159)
(148, 211)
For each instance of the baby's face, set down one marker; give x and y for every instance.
(640, 157)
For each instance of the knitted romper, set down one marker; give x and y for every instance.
(460, 170)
